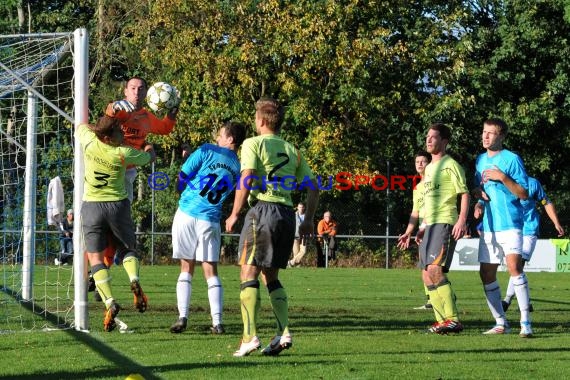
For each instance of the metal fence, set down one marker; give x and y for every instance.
(353, 250)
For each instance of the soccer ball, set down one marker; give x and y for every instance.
(161, 96)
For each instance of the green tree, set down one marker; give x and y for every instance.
(11, 17)
(517, 68)
(361, 80)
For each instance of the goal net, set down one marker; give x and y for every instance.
(39, 105)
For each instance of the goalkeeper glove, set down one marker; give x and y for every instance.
(177, 92)
(123, 105)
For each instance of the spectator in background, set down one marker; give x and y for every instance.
(326, 232)
(300, 243)
(66, 239)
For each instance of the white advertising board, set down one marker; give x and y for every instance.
(544, 258)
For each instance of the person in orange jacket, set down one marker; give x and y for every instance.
(326, 232)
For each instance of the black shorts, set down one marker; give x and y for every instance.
(267, 236)
(437, 246)
(99, 219)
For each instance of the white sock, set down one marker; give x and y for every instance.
(184, 293)
(493, 294)
(216, 298)
(510, 291)
(523, 298)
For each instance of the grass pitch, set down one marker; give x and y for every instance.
(346, 324)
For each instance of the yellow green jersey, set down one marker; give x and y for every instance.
(418, 200)
(443, 181)
(105, 166)
(278, 167)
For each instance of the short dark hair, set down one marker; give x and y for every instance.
(105, 126)
(500, 124)
(136, 77)
(423, 153)
(443, 130)
(271, 111)
(236, 131)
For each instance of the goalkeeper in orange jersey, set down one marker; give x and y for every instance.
(137, 122)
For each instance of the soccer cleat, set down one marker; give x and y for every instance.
(498, 330)
(218, 329)
(247, 348)
(278, 344)
(526, 330)
(123, 328)
(435, 328)
(140, 299)
(97, 296)
(57, 262)
(109, 323)
(450, 326)
(446, 327)
(179, 325)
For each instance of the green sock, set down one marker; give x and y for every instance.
(281, 310)
(132, 266)
(257, 308)
(249, 310)
(437, 303)
(103, 283)
(448, 301)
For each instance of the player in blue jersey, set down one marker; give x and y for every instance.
(536, 195)
(502, 183)
(207, 177)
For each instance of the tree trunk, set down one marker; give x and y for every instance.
(21, 16)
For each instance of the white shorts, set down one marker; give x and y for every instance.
(195, 239)
(494, 246)
(529, 243)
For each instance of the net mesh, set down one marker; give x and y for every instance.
(35, 67)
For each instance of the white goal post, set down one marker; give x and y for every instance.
(81, 64)
(32, 123)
